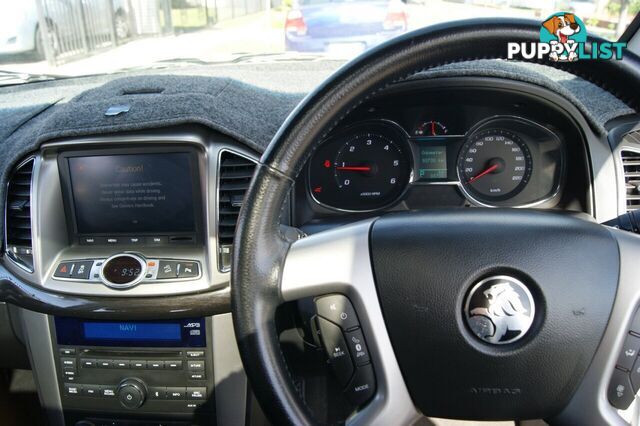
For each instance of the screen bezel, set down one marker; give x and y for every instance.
(69, 201)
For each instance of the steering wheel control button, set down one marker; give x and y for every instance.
(358, 347)
(499, 310)
(629, 352)
(336, 348)
(363, 385)
(635, 375)
(620, 392)
(635, 323)
(337, 309)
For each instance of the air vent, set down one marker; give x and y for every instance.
(18, 216)
(631, 166)
(234, 176)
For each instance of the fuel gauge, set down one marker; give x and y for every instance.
(430, 128)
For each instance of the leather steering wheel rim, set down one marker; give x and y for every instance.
(261, 247)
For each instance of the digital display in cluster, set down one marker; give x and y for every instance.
(432, 162)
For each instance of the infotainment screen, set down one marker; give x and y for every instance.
(133, 193)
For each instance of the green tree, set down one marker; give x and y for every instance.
(622, 8)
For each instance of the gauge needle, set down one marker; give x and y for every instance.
(354, 168)
(433, 128)
(485, 172)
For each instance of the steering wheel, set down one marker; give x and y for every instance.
(410, 277)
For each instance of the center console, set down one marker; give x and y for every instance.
(128, 202)
(132, 218)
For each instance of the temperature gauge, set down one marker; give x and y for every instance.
(430, 128)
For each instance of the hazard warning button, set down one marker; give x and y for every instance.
(64, 270)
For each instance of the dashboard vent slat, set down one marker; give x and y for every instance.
(19, 247)
(631, 167)
(234, 176)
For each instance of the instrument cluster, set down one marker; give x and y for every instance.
(500, 161)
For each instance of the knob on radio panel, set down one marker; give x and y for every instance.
(132, 393)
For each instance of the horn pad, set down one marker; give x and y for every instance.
(461, 348)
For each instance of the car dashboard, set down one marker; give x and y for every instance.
(118, 238)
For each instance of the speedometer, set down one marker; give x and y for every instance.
(494, 165)
(366, 168)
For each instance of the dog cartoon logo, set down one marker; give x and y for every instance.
(500, 310)
(563, 31)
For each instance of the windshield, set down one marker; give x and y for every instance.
(83, 37)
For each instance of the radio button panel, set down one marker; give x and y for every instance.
(175, 383)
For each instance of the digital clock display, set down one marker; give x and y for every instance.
(122, 270)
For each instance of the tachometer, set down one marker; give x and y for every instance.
(366, 168)
(494, 165)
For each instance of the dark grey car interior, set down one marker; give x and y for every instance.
(202, 246)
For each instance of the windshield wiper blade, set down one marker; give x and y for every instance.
(8, 78)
